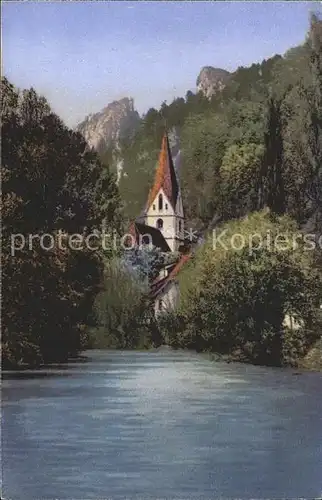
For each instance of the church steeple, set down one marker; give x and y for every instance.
(165, 176)
(164, 206)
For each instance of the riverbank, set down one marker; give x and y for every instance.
(311, 362)
(78, 358)
(313, 359)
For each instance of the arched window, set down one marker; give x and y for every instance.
(159, 223)
(153, 207)
(179, 225)
(160, 202)
(166, 206)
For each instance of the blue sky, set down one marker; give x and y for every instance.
(83, 55)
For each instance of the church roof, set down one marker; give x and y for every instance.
(165, 176)
(158, 286)
(137, 229)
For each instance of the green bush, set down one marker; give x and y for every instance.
(124, 310)
(235, 301)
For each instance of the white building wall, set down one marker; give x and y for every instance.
(292, 323)
(169, 298)
(172, 228)
(180, 218)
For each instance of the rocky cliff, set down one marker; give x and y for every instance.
(118, 120)
(212, 80)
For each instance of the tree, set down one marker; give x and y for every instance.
(146, 263)
(272, 193)
(239, 175)
(122, 307)
(315, 119)
(203, 143)
(302, 135)
(240, 286)
(53, 186)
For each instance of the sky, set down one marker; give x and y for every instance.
(83, 55)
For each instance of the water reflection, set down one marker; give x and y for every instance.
(162, 425)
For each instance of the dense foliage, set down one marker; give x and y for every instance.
(241, 285)
(53, 186)
(256, 144)
(123, 307)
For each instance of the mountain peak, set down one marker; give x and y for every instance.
(212, 80)
(117, 120)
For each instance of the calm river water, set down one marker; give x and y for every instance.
(152, 425)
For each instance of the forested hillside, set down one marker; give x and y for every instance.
(224, 140)
(252, 167)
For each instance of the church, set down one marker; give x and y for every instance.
(162, 224)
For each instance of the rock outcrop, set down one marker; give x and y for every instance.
(118, 120)
(212, 80)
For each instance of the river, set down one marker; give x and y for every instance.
(161, 424)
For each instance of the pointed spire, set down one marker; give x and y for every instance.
(165, 176)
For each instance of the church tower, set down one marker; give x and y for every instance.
(164, 209)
